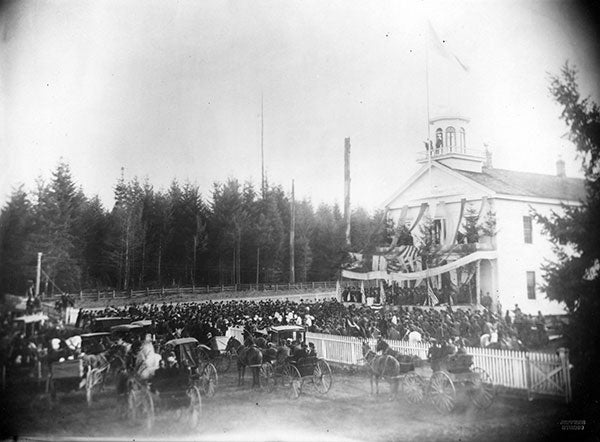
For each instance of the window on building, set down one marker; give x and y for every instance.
(530, 285)
(450, 136)
(439, 230)
(462, 138)
(439, 138)
(527, 230)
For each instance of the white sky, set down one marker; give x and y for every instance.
(172, 89)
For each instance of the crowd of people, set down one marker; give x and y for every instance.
(420, 324)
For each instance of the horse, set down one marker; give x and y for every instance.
(247, 356)
(381, 366)
(406, 360)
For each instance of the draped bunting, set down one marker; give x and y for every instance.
(483, 205)
(423, 273)
(397, 235)
(463, 202)
(404, 258)
(419, 216)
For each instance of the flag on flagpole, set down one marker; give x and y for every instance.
(362, 292)
(431, 298)
(440, 47)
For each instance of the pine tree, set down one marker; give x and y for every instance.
(574, 277)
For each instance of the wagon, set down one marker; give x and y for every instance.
(452, 373)
(216, 353)
(295, 371)
(179, 383)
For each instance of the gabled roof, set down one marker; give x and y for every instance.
(510, 182)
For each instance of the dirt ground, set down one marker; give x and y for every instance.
(348, 412)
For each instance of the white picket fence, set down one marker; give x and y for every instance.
(537, 373)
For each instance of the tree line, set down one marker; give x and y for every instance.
(173, 237)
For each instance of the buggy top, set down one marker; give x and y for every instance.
(294, 332)
(186, 351)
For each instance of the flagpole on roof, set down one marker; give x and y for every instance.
(429, 147)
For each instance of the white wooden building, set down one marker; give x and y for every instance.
(453, 178)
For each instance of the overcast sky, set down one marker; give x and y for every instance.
(172, 89)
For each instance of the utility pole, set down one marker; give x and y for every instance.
(38, 274)
(262, 147)
(292, 239)
(347, 188)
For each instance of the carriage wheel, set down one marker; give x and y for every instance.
(442, 392)
(322, 378)
(481, 389)
(209, 380)
(89, 379)
(141, 406)
(203, 356)
(413, 387)
(195, 407)
(223, 362)
(266, 377)
(50, 391)
(293, 380)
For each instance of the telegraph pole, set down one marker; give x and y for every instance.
(38, 274)
(292, 238)
(347, 188)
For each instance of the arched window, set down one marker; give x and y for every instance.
(450, 136)
(439, 138)
(463, 138)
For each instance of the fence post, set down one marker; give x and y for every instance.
(564, 359)
(323, 349)
(528, 377)
(80, 295)
(162, 292)
(114, 294)
(98, 294)
(147, 292)
(275, 287)
(352, 353)
(313, 284)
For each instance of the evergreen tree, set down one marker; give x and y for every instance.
(17, 259)
(574, 277)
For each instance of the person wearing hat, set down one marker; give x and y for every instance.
(147, 361)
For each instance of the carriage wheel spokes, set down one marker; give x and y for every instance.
(442, 392)
(141, 406)
(322, 378)
(209, 380)
(294, 380)
(267, 381)
(413, 387)
(195, 407)
(223, 362)
(481, 389)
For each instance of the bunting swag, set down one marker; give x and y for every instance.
(419, 216)
(483, 204)
(463, 202)
(404, 259)
(423, 273)
(397, 235)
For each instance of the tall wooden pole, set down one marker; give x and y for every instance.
(262, 147)
(257, 266)
(347, 188)
(292, 239)
(38, 274)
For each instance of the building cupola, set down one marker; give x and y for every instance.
(449, 145)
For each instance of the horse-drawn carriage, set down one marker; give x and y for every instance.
(446, 370)
(299, 366)
(456, 370)
(86, 367)
(179, 383)
(216, 353)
